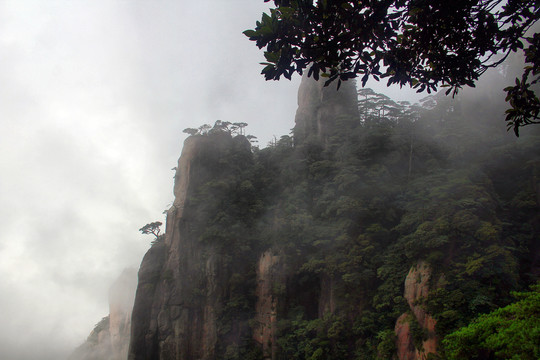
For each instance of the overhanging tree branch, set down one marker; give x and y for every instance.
(420, 44)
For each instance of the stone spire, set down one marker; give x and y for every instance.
(320, 106)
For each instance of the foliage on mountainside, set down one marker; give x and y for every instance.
(401, 184)
(511, 332)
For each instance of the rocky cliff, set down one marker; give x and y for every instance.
(187, 285)
(110, 338)
(320, 108)
(184, 281)
(271, 275)
(333, 245)
(411, 346)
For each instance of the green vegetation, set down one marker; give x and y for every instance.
(233, 129)
(352, 209)
(511, 332)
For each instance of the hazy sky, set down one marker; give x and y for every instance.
(94, 96)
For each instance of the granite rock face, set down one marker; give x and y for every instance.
(416, 290)
(183, 281)
(143, 330)
(320, 108)
(270, 271)
(185, 284)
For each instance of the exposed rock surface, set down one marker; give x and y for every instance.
(110, 338)
(319, 107)
(143, 318)
(183, 281)
(416, 290)
(404, 339)
(270, 274)
(216, 287)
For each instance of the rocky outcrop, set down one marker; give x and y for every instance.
(282, 252)
(320, 108)
(182, 284)
(143, 329)
(416, 290)
(271, 280)
(185, 284)
(110, 338)
(404, 339)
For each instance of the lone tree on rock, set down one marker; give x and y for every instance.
(152, 228)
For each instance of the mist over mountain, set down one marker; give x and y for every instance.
(376, 230)
(109, 340)
(94, 99)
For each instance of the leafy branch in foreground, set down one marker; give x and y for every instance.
(420, 44)
(525, 104)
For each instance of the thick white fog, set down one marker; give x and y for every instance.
(94, 96)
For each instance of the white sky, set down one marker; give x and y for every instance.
(94, 96)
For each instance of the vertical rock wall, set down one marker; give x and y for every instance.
(143, 319)
(271, 280)
(182, 281)
(416, 290)
(319, 107)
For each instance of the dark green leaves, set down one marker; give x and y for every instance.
(421, 44)
(250, 34)
(525, 104)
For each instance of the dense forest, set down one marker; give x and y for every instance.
(363, 192)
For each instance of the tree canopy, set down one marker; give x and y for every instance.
(511, 332)
(347, 211)
(416, 43)
(236, 128)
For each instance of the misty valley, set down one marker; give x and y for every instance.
(375, 230)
